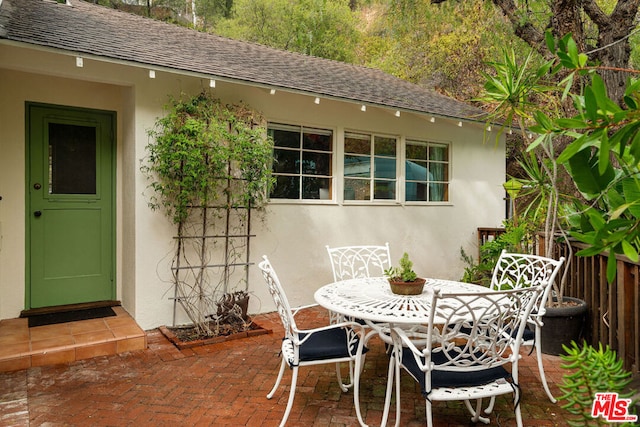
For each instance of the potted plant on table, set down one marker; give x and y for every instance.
(403, 280)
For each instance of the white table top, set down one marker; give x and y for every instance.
(371, 299)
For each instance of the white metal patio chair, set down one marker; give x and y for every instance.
(463, 350)
(513, 271)
(335, 343)
(353, 262)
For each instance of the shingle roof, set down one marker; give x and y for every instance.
(85, 28)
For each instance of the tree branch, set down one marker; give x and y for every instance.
(523, 28)
(596, 14)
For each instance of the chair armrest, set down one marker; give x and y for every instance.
(358, 329)
(403, 338)
(295, 311)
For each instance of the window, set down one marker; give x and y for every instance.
(427, 172)
(369, 167)
(302, 162)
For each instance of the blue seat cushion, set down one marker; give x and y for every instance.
(327, 344)
(528, 334)
(448, 378)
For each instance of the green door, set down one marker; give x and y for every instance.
(70, 251)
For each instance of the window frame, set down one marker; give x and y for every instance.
(373, 156)
(446, 179)
(338, 178)
(332, 152)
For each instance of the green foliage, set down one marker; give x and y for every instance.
(445, 45)
(199, 149)
(591, 371)
(514, 87)
(602, 158)
(404, 272)
(323, 28)
(211, 12)
(515, 238)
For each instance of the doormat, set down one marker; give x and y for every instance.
(70, 316)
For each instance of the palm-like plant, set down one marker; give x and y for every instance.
(517, 92)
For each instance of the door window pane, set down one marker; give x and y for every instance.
(72, 159)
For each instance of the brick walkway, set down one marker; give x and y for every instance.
(226, 385)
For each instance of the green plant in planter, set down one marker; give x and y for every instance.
(403, 273)
(591, 371)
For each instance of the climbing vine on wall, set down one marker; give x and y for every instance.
(209, 166)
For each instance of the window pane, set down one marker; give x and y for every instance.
(416, 152)
(439, 152)
(385, 190)
(438, 192)
(286, 138)
(316, 163)
(357, 144)
(286, 161)
(439, 171)
(316, 140)
(385, 146)
(357, 166)
(416, 171)
(357, 189)
(385, 168)
(287, 187)
(72, 159)
(316, 188)
(416, 192)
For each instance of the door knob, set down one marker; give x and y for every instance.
(37, 186)
(37, 214)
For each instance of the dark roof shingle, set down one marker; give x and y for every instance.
(85, 28)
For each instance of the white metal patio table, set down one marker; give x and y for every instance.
(371, 300)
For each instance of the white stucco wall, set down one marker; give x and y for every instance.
(293, 235)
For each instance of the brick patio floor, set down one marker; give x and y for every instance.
(226, 385)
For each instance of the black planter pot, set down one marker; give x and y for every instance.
(563, 325)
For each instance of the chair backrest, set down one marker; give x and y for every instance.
(514, 271)
(279, 297)
(353, 262)
(474, 331)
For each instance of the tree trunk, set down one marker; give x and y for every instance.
(613, 49)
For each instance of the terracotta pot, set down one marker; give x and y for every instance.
(407, 288)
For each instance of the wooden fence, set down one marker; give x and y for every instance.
(614, 309)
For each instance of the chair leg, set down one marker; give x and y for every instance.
(516, 398)
(475, 412)
(492, 403)
(543, 377)
(429, 413)
(356, 384)
(344, 387)
(292, 394)
(280, 374)
(394, 371)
